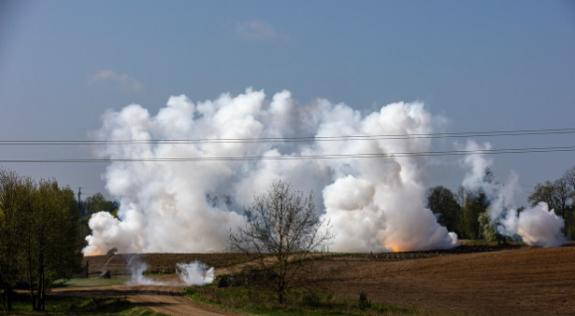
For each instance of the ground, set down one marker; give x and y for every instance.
(522, 281)
(161, 299)
(527, 281)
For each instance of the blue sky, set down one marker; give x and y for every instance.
(485, 65)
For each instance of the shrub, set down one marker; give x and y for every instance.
(312, 299)
(190, 290)
(364, 303)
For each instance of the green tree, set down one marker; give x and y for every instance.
(38, 235)
(11, 202)
(488, 227)
(442, 201)
(52, 248)
(97, 203)
(476, 203)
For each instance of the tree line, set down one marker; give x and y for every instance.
(465, 211)
(40, 240)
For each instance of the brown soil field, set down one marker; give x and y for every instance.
(514, 281)
(524, 281)
(160, 262)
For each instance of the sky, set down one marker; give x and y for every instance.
(483, 65)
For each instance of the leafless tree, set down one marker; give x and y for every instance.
(570, 177)
(557, 195)
(282, 224)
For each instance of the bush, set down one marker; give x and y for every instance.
(190, 290)
(364, 303)
(312, 299)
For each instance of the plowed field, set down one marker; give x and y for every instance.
(520, 281)
(527, 281)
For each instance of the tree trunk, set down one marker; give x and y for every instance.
(32, 296)
(40, 293)
(43, 302)
(30, 281)
(8, 294)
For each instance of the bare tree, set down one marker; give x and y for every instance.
(282, 223)
(543, 193)
(557, 195)
(570, 177)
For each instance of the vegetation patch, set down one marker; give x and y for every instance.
(90, 282)
(73, 305)
(254, 300)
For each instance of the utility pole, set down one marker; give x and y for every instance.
(80, 202)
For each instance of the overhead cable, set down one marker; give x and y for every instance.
(292, 139)
(305, 157)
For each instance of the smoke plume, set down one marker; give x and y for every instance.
(373, 204)
(537, 226)
(193, 273)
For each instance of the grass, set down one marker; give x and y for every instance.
(91, 282)
(297, 302)
(71, 305)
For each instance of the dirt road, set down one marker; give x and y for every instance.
(162, 299)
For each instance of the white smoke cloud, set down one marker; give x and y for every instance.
(373, 204)
(138, 277)
(537, 226)
(193, 273)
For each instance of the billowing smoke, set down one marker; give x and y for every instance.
(373, 204)
(138, 276)
(193, 273)
(537, 226)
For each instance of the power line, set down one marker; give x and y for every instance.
(307, 157)
(497, 133)
(108, 197)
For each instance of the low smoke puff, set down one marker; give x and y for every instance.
(138, 277)
(372, 204)
(537, 226)
(195, 273)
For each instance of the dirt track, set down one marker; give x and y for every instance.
(527, 281)
(163, 299)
